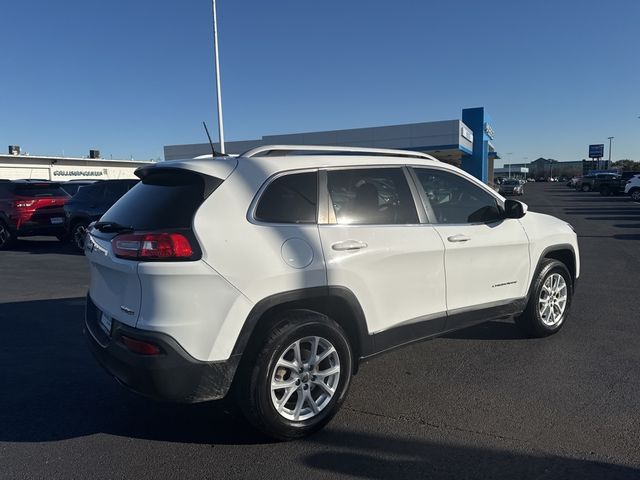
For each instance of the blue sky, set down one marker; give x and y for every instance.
(128, 77)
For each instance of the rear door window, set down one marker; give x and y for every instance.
(161, 200)
(292, 198)
(371, 196)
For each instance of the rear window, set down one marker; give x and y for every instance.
(39, 190)
(161, 200)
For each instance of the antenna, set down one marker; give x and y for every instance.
(213, 150)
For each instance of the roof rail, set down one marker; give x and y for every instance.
(280, 150)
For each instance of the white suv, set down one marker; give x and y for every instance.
(632, 187)
(274, 274)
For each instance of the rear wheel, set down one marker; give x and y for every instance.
(635, 194)
(78, 232)
(605, 191)
(298, 380)
(549, 300)
(586, 188)
(6, 237)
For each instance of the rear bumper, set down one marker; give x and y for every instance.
(25, 229)
(173, 375)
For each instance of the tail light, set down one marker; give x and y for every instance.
(24, 203)
(152, 246)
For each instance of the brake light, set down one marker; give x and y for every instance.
(140, 347)
(152, 246)
(24, 203)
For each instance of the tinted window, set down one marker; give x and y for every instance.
(370, 196)
(161, 200)
(39, 190)
(290, 199)
(454, 199)
(114, 190)
(91, 192)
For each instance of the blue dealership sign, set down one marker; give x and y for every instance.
(596, 151)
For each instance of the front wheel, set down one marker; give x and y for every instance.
(586, 188)
(298, 380)
(549, 300)
(635, 194)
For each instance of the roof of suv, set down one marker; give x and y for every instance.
(275, 158)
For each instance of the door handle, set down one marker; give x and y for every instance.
(349, 245)
(458, 238)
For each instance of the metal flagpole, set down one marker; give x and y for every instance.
(218, 90)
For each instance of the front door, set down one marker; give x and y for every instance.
(486, 256)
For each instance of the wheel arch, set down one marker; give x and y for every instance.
(564, 253)
(338, 303)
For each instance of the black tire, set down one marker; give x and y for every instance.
(531, 321)
(605, 191)
(586, 188)
(77, 234)
(7, 238)
(252, 387)
(635, 194)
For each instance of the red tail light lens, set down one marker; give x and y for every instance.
(152, 246)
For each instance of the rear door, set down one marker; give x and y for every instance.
(375, 245)
(486, 256)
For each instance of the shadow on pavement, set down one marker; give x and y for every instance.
(53, 389)
(378, 457)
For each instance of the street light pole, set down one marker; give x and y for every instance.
(609, 162)
(218, 88)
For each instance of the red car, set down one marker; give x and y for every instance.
(29, 207)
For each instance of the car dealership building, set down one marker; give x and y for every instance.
(15, 165)
(465, 142)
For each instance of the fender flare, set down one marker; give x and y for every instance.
(358, 328)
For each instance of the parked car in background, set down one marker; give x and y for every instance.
(72, 186)
(29, 207)
(632, 188)
(615, 184)
(89, 204)
(591, 183)
(511, 186)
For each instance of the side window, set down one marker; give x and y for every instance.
(371, 196)
(290, 199)
(454, 199)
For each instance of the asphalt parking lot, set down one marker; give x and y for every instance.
(482, 403)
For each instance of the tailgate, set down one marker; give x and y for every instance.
(115, 286)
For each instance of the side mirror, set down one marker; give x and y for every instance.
(514, 209)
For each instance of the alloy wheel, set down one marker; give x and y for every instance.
(305, 378)
(552, 301)
(79, 233)
(4, 235)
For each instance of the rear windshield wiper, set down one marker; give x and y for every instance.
(112, 227)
